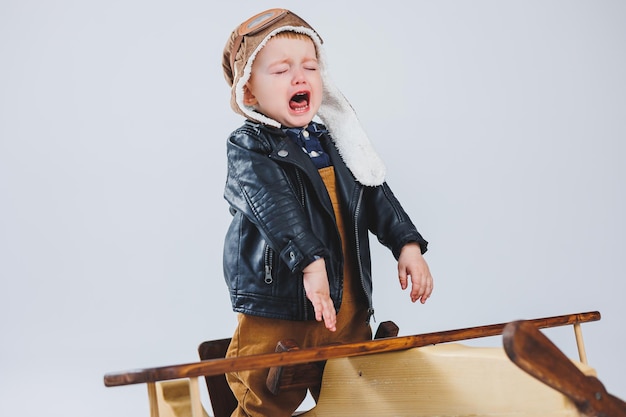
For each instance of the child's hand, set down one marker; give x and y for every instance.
(318, 292)
(411, 264)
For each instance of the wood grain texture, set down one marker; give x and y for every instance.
(444, 380)
(221, 366)
(534, 353)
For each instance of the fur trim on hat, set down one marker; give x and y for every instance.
(335, 112)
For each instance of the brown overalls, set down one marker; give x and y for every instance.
(257, 335)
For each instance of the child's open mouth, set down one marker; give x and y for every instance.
(299, 101)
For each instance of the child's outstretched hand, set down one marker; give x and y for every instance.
(413, 266)
(318, 292)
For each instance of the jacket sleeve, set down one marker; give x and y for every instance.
(388, 220)
(258, 187)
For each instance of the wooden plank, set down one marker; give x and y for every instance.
(180, 398)
(309, 374)
(221, 366)
(194, 394)
(223, 401)
(152, 400)
(580, 343)
(534, 353)
(443, 380)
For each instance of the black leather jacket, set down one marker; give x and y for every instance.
(283, 220)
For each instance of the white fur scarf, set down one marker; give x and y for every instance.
(351, 140)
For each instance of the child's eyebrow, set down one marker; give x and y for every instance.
(285, 61)
(289, 61)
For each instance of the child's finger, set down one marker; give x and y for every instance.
(318, 311)
(330, 318)
(421, 289)
(330, 323)
(404, 281)
(325, 311)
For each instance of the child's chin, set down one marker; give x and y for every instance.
(298, 121)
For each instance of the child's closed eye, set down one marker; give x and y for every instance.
(311, 65)
(279, 69)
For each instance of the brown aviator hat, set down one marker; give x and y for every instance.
(335, 112)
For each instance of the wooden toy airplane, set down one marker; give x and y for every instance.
(419, 376)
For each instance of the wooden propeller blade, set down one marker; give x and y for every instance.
(534, 353)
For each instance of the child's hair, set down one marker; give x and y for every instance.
(291, 35)
(288, 34)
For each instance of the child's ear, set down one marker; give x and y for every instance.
(248, 98)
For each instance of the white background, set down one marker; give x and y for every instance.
(502, 124)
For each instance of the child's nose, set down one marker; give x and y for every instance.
(299, 76)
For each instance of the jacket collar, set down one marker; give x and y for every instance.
(355, 150)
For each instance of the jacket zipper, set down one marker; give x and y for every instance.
(268, 258)
(370, 309)
(300, 187)
(302, 202)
